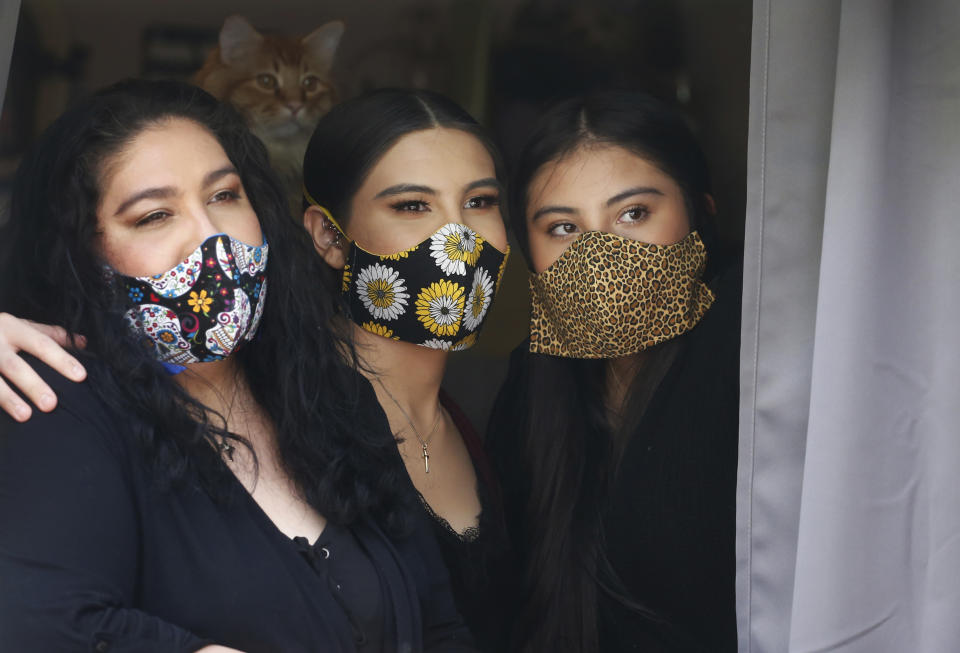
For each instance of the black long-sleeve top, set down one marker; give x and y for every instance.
(483, 569)
(670, 522)
(96, 556)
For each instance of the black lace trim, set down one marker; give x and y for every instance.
(470, 535)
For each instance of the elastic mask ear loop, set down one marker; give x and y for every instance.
(327, 215)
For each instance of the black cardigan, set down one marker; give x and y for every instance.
(95, 556)
(670, 521)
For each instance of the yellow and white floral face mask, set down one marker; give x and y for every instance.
(608, 296)
(436, 294)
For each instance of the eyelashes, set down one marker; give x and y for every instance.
(636, 213)
(220, 197)
(562, 229)
(482, 202)
(478, 202)
(151, 217)
(417, 206)
(633, 215)
(226, 195)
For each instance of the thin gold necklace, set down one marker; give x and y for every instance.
(423, 442)
(224, 446)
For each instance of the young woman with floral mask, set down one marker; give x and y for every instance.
(616, 433)
(402, 200)
(402, 197)
(218, 480)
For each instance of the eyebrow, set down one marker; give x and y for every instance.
(565, 210)
(482, 183)
(147, 194)
(639, 190)
(399, 189)
(219, 174)
(163, 192)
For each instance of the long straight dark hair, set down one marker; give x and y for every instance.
(299, 367)
(570, 450)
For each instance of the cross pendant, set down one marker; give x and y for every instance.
(226, 448)
(426, 460)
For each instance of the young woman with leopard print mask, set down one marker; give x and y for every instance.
(615, 435)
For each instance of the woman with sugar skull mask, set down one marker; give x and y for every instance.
(221, 428)
(401, 196)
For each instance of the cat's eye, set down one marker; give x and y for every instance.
(267, 81)
(310, 83)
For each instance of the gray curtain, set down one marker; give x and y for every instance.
(9, 13)
(849, 485)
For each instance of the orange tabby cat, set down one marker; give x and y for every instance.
(282, 85)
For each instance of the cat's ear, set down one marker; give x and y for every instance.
(238, 40)
(322, 44)
(326, 239)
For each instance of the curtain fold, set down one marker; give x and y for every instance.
(9, 14)
(849, 494)
(788, 153)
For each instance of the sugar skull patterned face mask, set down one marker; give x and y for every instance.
(436, 294)
(205, 308)
(608, 296)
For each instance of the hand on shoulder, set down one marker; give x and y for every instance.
(47, 343)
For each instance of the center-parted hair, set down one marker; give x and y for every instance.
(299, 367)
(350, 140)
(635, 121)
(570, 451)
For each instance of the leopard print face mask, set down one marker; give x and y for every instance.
(608, 296)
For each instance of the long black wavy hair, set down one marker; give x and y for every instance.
(355, 134)
(571, 452)
(299, 367)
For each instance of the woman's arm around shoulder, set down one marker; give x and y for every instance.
(46, 343)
